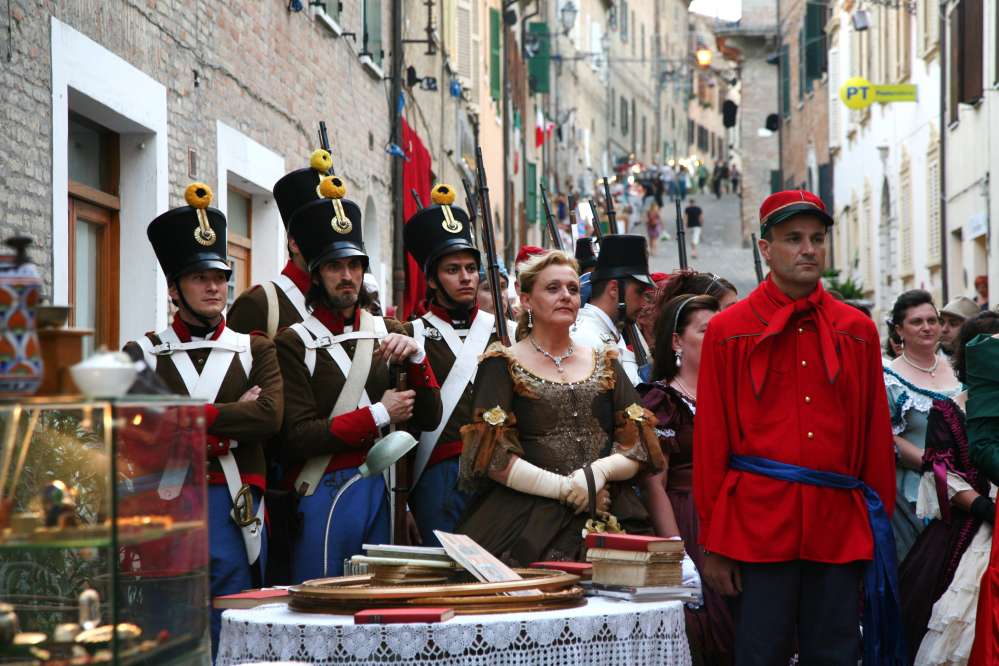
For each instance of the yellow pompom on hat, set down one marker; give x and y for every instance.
(332, 187)
(321, 160)
(442, 194)
(198, 195)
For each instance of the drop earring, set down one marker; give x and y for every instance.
(678, 353)
(530, 319)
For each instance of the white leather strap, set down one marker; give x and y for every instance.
(206, 387)
(353, 394)
(462, 374)
(293, 293)
(273, 308)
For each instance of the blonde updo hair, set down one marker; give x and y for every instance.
(528, 272)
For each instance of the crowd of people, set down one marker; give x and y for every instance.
(834, 502)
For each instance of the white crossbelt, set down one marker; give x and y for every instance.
(353, 394)
(293, 293)
(206, 387)
(466, 361)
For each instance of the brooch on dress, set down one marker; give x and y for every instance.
(495, 416)
(635, 413)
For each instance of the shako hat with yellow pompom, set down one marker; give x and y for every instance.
(438, 230)
(300, 187)
(329, 228)
(190, 238)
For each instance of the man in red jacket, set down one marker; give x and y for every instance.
(793, 460)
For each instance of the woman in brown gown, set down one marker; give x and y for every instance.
(544, 409)
(672, 398)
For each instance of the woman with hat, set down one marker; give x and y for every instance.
(454, 332)
(337, 366)
(235, 374)
(546, 410)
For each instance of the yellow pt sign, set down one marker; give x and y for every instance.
(858, 93)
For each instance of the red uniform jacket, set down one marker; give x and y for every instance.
(801, 418)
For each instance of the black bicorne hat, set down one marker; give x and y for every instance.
(321, 234)
(622, 256)
(300, 187)
(439, 230)
(190, 238)
(586, 255)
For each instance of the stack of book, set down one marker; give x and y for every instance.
(407, 565)
(639, 568)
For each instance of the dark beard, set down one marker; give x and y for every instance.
(345, 301)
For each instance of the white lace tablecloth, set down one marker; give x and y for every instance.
(602, 633)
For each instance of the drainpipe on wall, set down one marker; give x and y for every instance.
(398, 216)
(945, 297)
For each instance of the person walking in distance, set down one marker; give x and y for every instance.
(794, 463)
(654, 225)
(693, 218)
(734, 176)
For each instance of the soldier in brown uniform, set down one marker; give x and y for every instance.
(454, 332)
(338, 399)
(237, 376)
(278, 304)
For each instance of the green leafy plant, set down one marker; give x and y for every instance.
(848, 288)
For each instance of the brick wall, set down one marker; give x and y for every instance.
(270, 74)
(759, 153)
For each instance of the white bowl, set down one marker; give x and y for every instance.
(103, 382)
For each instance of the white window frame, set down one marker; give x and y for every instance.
(101, 86)
(256, 169)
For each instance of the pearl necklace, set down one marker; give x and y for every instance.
(683, 388)
(557, 360)
(936, 360)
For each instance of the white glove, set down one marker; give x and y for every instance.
(611, 468)
(533, 480)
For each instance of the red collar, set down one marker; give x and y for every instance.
(443, 314)
(180, 328)
(301, 279)
(331, 320)
(776, 308)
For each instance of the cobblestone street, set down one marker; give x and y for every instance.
(721, 249)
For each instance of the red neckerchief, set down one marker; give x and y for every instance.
(770, 302)
(443, 314)
(331, 320)
(301, 279)
(180, 328)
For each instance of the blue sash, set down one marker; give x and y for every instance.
(884, 635)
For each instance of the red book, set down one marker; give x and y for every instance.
(582, 569)
(250, 599)
(633, 542)
(403, 615)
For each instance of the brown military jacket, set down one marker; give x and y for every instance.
(441, 361)
(248, 313)
(248, 423)
(308, 431)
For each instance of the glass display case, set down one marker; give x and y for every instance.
(103, 514)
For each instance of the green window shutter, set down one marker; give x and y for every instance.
(624, 20)
(785, 75)
(373, 30)
(775, 182)
(532, 192)
(801, 64)
(538, 66)
(816, 57)
(495, 66)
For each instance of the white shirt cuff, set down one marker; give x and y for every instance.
(380, 415)
(417, 356)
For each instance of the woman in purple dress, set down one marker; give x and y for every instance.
(672, 397)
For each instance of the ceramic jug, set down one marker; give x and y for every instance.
(20, 292)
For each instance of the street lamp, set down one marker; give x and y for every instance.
(703, 57)
(569, 12)
(605, 42)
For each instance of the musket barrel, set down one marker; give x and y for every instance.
(489, 239)
(550, 220)
(681, 241)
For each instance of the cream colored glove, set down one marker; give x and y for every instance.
(612, 468)
(533, 480)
